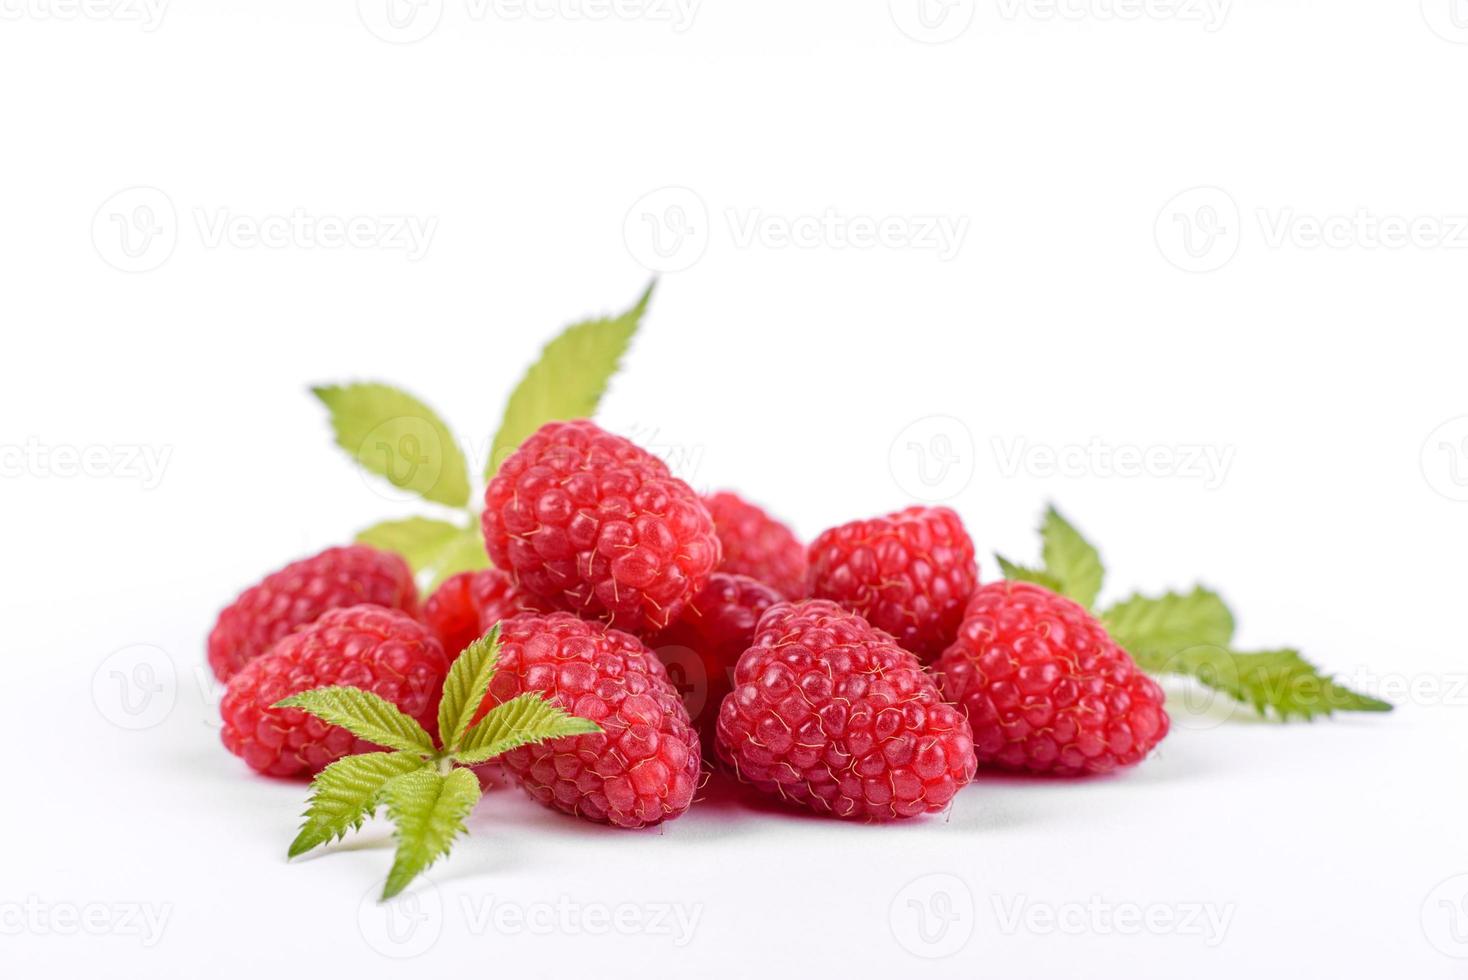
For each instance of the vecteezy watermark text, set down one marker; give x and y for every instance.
(34, 916)
(1208, 921)
(138, 228)
(1208, 464)
(1201, 230)
(147, 14)
(122, 461)
(669, 229)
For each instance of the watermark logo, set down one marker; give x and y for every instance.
(1448, 19)
(136, 229)
(932, 917)
(404, 926)
(1199, 229)
(402, 458)
(1445, 917)
(932, 21)
(1445, 459)
(932, 459)
(689, 675)
(400, 21)
(667, 230)
(135, 688)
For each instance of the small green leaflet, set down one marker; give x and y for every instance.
(345, 793)
(427, 798)
(568, 380)
(366, 715)
(1187, 634)
(1148, 627)
(466, 686)
(1278, 684)
(436, 548)
(420, 540)
(1070, 559)
(1018, 573)
(429, 810)
(464, 553)
(396, 436)
(519, 721)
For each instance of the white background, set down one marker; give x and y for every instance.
(1085, 305)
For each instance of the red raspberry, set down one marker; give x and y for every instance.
(1046, 689)
(380, 650)
(590, 523)
(642, 768)
(715, 628)
(757, 545)
(466, 605)
(831, 713)
(302, 591)
(908, 573)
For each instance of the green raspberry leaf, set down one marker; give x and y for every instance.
(568, 380)
(466, 686)
(519, 721)
(1070, 559)
(1149, 628)
(420, 540)
(437, 549)
(428, 809)
(366, 715)
(1278, 684)
(345, 793)
(393, 434)
(464, 553)
(1019, 573)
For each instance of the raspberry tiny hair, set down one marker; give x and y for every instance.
(831, 714)
(642, 767)
(588, 522)
(703, 646)
(757, 545)
(302, 591)
(908, 573)
(1045, 688)
(429, 775)
(384, 651)
(466, 605)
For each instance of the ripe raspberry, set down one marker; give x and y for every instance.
(466, 605)
(908, 573)
(380, 650)
(588, 522)
(757, 545)
(642, 768)
(1046, 689)
(302, 591)
(717, 626)
(831, 713)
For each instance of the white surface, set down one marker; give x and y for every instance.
(1322, 374)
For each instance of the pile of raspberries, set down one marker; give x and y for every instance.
(866, 676)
